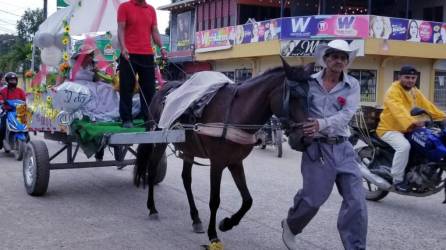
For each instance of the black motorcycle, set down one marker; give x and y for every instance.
(272, 135)
(427, 161)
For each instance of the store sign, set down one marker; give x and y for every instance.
(257, 31)
(62, 3)
(215, 39)
(325, 26)
(307, 47)
(407, 30)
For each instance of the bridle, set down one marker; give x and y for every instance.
(298, 90)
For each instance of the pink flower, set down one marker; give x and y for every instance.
(341, 101)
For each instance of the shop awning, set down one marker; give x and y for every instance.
(177, 5)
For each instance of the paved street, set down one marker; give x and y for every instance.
(101, 209)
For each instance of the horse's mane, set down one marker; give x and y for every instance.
(261, 76)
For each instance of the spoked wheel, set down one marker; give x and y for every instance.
(277, 140)
(19, 150)
(36, 169)
(372, 192)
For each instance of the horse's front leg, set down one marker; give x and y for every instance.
(214, 203)
(238, 174)
(155, 158)
(187, 182)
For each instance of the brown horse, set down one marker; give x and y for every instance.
(280, 91)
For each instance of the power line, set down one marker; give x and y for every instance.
(5, 26)
(13, 5)
(7, 30)
(3, 21)
(10, 13)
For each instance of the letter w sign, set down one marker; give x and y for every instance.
(345, 22)
(300, 24)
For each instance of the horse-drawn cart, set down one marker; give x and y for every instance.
(37, 161)
(57, 101)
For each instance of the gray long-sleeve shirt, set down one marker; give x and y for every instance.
(332, 114)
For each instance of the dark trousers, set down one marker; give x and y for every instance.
(143, 65)
(2, 128)
(338, 167)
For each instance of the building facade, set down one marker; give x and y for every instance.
(243, 38)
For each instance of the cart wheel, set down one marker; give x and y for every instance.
(36, 168)
(161, 170)
(278, 135)
(119, 152)
(19, 151)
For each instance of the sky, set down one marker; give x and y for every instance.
(11, 11)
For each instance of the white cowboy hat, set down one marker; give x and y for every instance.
(338, 44)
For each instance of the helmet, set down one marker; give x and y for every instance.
(9, 76)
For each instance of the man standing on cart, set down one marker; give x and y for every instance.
(137, 26)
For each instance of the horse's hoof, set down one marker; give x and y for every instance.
(198, 228)
(215, 244)
(154, 216)
(225, 225)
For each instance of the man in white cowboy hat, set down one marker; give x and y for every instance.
(333, 99)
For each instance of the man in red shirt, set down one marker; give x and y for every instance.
(10, 92)
(137, 26)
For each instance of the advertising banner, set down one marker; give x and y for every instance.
(388, 28)
(326, 26)
(257, 31)
(306, 47)
(183, 31)
(439, 33)
(221, 38)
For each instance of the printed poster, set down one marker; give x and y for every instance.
(306, 47)
(325, 26)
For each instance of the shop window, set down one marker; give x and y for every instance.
(229, 74)
(242, 75)
(367, 81)
(396, 76)
(440, 89)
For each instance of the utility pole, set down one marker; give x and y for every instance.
(45, 9)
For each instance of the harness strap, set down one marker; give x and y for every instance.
(181, 156)
(228, 113)
(232, 134)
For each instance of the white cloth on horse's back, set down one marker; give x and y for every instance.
(200, 84)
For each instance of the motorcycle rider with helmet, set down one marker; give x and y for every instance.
(10, 92)
(395, 120)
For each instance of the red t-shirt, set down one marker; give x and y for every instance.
(8, 94)
(139, 21)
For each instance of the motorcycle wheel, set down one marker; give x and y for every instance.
(372, 192)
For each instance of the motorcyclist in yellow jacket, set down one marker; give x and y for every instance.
(395, 120)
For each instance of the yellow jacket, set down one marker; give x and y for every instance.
(397, 105)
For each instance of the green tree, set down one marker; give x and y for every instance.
(29, 24)
(16, 51)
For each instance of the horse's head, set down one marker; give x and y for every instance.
(292, 107)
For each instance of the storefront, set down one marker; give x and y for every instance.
(376, 66)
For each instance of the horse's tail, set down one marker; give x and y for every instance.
(143, 154)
